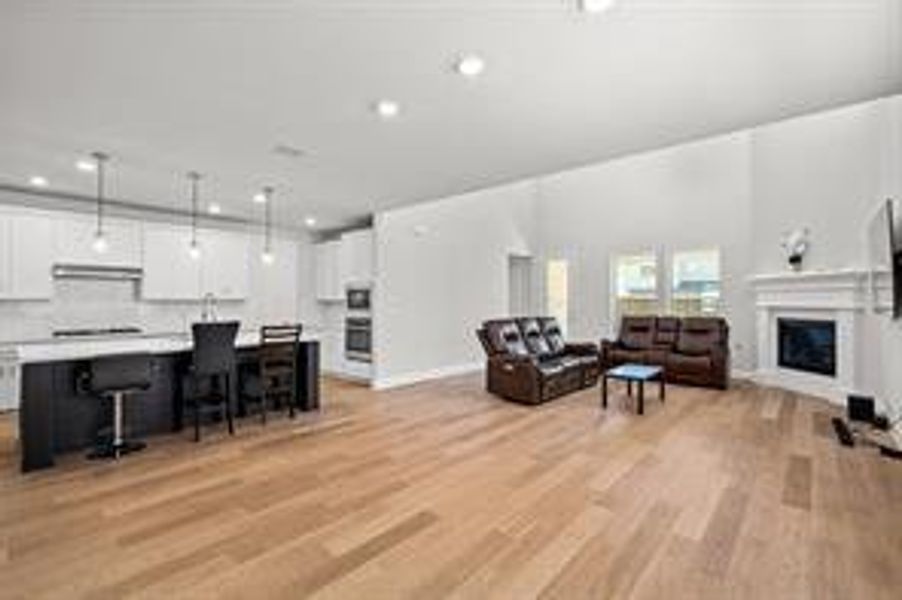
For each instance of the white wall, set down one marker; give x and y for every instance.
(739, 192)
(822, 172)
(693, 196)
(442, 270)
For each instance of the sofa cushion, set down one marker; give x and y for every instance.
(637, 333)
(666, 331)
(620, 356)
(699, 336)
(532, 334)
(553, 334)
(550, 368)
(683, 363)
(504, 336)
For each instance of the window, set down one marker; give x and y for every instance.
(635, 285)
(556, 291)
(696, 283)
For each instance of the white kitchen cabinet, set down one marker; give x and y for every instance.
(276, 285)
(329, 284)
(75, 236)
(224, 267)
(343, 262)
(169, 271)
(26, 256)
(356, 264)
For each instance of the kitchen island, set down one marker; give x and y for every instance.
(58, 413)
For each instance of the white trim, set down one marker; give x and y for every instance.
(394, 381)
(840, 296)
(742, 374)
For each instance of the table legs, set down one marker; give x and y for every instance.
(641, 397)
(604, 391)
(661, 391)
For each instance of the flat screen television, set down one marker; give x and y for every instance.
(885, 250)
(894, 224)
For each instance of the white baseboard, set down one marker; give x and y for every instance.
(741, 374)
(395, 381)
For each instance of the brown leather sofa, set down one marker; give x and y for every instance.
(692, 350)
(529, 361)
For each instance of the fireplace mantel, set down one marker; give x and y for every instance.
(839, 295)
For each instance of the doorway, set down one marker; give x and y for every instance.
(520, 285)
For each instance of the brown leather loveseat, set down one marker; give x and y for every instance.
(528, 360)
(692, 350)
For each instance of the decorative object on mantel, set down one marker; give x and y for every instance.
(795, 245)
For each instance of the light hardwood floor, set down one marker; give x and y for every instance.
(440, 490)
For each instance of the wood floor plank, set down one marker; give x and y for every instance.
(439, 490)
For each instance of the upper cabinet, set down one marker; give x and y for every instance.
(357, 257)
(74, 241)
(328, 279)
(223, 264)
(170, 272)
(26, 256)
(344, 262)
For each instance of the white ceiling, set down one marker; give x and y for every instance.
(168, 86)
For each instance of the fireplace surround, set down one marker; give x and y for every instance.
(830, 305)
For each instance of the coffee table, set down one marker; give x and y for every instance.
(630, 373)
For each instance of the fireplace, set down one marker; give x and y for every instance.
(807, 345)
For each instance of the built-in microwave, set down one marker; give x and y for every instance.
(358, 298)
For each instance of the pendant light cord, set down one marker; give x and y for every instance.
(195, 178)
(101, 159)
(267, 224)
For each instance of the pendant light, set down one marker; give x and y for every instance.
(100, 243)
(267, 257)
(194, 247)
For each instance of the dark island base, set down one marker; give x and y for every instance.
(58, 415)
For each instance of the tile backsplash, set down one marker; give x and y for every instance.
(79, 304)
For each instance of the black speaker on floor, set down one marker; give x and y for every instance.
(860, 408)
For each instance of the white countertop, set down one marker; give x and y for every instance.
(80, 349)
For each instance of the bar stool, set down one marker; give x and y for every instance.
(117, 376)
(277, 375)
(213, 366)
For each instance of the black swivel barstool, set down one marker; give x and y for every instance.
(116, 376)
(212, 370)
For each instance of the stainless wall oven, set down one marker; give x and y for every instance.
(358, 299)
(359, 339)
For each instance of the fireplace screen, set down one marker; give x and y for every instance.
(806, 345)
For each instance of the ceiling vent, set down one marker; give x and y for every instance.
(288, 151)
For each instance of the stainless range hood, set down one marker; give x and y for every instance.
(70, 271)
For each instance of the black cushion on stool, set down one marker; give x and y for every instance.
(121, 373)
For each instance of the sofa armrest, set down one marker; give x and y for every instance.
(515, 377)
(608, 346)
(720, 360)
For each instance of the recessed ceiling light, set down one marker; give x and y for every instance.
(596, 6)
(214, 208)
(260, 198)
(471, 65)
(88, 166)
(387, 109)
(310, 221)
(38, 181)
